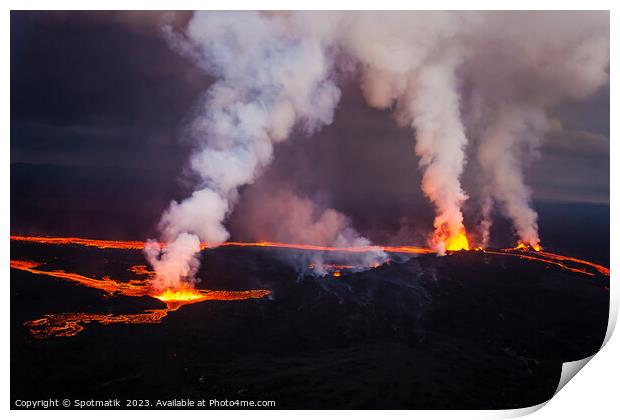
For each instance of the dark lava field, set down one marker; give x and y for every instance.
(467, 331)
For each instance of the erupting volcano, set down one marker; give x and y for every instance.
(343, 300)
(326, 209)
(457, 243)
(69, 324)
(141, 288)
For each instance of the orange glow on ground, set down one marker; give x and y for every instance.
(141, 270)
(136, 287)
(130, 288)
(601, 269)
(69, 324)
(97, 243)
(575, 265)
(109, 244)
(72, 323)
(24, 265)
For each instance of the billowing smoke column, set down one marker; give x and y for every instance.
(522, 65)
(500, 157)
(440, 145)
(485, 76)
(499, 70)
(411, 62)
(270, 78)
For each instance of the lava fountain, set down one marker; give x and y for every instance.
(458, 242)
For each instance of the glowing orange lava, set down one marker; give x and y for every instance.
(97, 243)
(109, 244)
(522, 246)
(136, 287)
(130, 288)
(602, 270)
(141, 270)
(181, 295)
(575, 265)
(69, 324)
(24, 265)
(458, 242)
(72, 323)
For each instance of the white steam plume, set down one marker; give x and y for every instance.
(269, 79)
(486, 222)
(513, 133)
(440, 143)
(411, 60)
(523, 65)
(503, 70)
(488, 76)
(177, 265)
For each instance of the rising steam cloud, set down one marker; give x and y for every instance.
(269, 80)
(475, 84)
(276, 213)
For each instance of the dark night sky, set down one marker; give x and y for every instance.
(98, 109)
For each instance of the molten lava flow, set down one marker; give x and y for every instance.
(109, 244)
(535, 253)
(575, 265)
(137, 287)
(69, 324)
(141, 270)
(602, 270)
(181, 295)
(140, 287)
(457, 242)
(24, 265)
(130, 288)
(97, 243)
